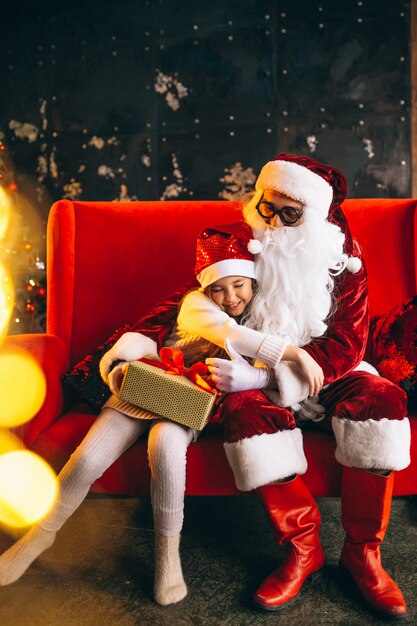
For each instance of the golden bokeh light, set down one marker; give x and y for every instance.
(28, 488)
(6, 301)
(9, 442)
(28, 485)
(4, 212)
(23, 387)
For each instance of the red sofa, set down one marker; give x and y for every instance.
(110, 262)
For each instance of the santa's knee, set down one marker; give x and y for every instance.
(262, 443)
(372, 430)
(385, 399)
(250, 413)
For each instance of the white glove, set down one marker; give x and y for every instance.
(129, 347)
(115, 377)
(237, 374)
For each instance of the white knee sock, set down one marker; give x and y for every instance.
(169, 585)
(111, 434)
(15, 561)
(167, 454)
(167, 450)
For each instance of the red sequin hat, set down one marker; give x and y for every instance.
(223, 251)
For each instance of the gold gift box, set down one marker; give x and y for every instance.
(166, 395)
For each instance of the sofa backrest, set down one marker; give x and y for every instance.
(386, 232)
(110, 262)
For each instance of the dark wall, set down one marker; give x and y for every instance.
(165, 99)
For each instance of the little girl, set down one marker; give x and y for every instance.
(226, 272)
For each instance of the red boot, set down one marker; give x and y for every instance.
(294, 514)
(366, 505)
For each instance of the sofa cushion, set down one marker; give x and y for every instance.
(394, 347)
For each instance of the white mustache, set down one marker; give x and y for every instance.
(281, 238)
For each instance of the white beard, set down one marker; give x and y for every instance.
(295, 274)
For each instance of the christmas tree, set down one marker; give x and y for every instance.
(21, 252)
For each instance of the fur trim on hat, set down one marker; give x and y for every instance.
(228, 267)
(373, 444)
(259, 460)
(296, 182)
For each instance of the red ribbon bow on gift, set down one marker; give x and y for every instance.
(172, 361)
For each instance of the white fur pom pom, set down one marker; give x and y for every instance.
(255, 246)
(354, 264)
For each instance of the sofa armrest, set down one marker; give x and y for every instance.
(51, 354)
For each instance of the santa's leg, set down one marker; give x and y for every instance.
(167, 450)
(265, 451)
(373, 440)
(296, 519)
(366, 505)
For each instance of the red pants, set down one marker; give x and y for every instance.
(366, 412)
(359, 396)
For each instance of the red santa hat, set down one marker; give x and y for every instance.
(316, 185)
(223, 251)
(299, 178)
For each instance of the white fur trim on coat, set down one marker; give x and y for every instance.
(291, 384)
(364, 366)
(129, 347)
(297, 182)
(373, 444)
(262, 459)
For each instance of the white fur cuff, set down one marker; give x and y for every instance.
(129, 347)
(262, 459)
(373, 444)
(292, 386)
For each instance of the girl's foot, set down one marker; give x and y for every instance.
(169, 584)
(15, 561)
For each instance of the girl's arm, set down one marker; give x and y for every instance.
(310, 371)
(200, 316)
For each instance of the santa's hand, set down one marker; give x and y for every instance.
(116, 377)
(237, 374)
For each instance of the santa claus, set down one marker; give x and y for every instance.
(311, 302)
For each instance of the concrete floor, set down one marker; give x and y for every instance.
(99, 571)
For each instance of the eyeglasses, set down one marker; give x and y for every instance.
(288, 215)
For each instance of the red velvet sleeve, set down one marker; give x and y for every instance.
(342, 347)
